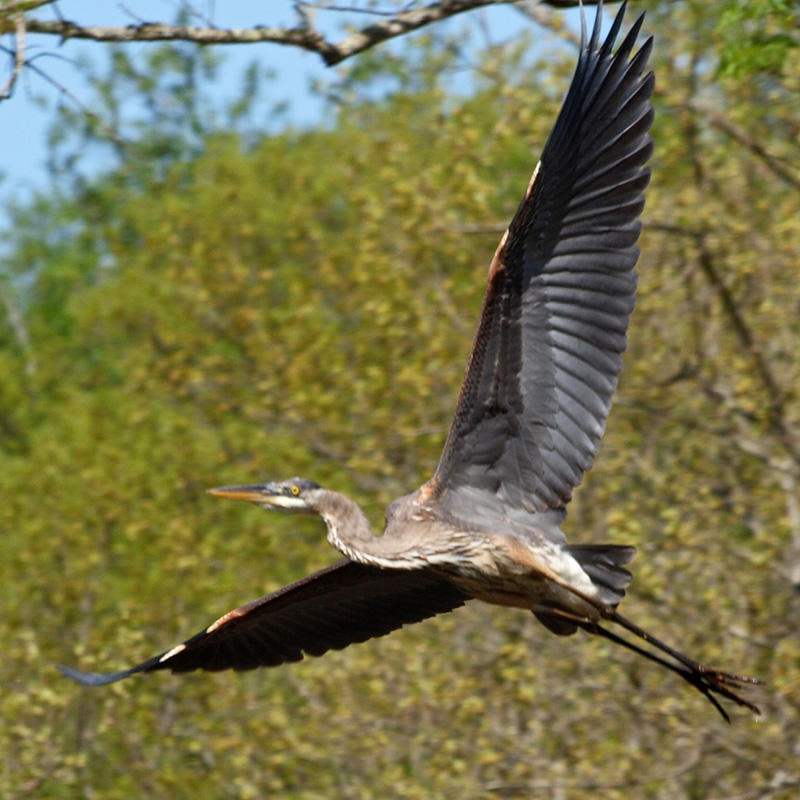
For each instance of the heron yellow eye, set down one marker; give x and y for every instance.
(295, 490)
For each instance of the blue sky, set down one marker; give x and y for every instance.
(24, 121)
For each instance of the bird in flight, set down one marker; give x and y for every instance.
(531, 412)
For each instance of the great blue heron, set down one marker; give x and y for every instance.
(532, 409)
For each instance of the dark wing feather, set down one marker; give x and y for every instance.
(337, 606)
(547, 353)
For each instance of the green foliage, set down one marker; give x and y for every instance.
(759, 36)
(305, 306)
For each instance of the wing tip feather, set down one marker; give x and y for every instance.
(93, 678)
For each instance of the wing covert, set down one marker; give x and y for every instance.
(547, 354)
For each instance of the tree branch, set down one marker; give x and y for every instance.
(111, 134)
(19, 58)
(16, 321)
(774, 392)
(722, 123)
(776, 409)
(533, 11)
(304, 35)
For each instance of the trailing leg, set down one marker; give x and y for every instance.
(707, 680)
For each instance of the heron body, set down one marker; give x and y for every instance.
(491, 565)
(532, 409)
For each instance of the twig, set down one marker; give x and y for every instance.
(533, 11)
(16, 321)
(776, 411)
(19, 58)
(774, 392)
(376, 12)
(109, 132)
(735, 132)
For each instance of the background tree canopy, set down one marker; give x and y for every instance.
(220, 306)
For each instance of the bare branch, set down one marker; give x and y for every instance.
(534, 12)
(19, 58)
(405, 22)
(746, 338)
(16, 321)
(776, 410)
(110, 133)
(160, 31)
(303, 7)
(722, 123)
(305, 36)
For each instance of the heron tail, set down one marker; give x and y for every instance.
(603, 564)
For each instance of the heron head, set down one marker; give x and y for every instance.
(294, 495)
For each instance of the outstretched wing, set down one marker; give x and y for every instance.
(547, 353)
(337, 606)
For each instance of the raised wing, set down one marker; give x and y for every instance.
(547, 353)
(337, 606)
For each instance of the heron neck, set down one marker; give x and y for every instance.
(349, 532)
